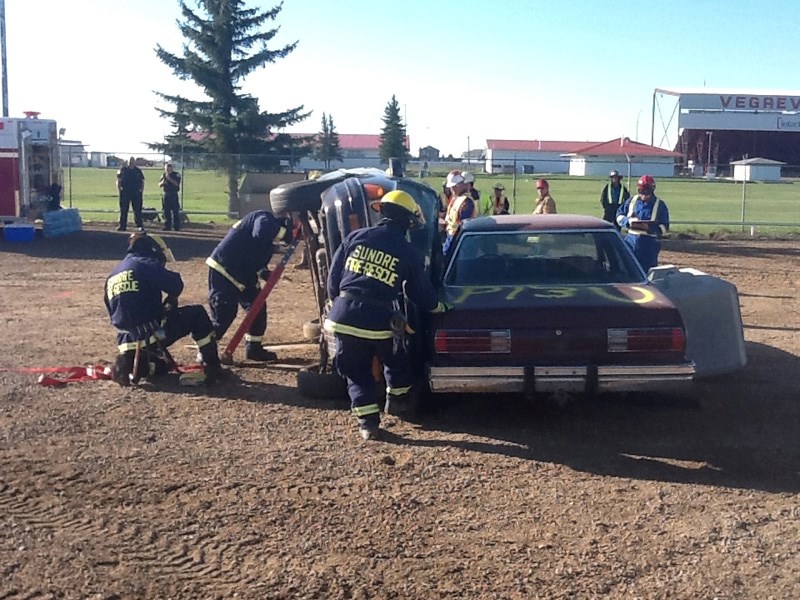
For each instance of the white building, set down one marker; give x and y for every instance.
(624, 155)
(756, 169)
(526, 156)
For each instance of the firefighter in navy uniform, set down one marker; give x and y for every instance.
(368, 274)
(141, 296)
(235, 266)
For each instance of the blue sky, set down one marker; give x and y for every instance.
(462, 71)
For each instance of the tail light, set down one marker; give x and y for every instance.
(373, 191)
(649, 339)
(473, 341)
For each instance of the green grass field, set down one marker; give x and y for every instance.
(696, 206)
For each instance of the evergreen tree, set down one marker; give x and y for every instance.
(223, 44)
(393, 135)
(327, 147)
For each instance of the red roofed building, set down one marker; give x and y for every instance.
(358, 150)
(624, 155)
(530, 156)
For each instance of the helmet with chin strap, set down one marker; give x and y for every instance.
(400, 207)
(149, 246)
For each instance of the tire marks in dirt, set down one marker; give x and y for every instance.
(73, 510)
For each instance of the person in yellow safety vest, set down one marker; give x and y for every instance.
(461, 207)
(614, 193)
(499, 202)
(445, 199)
(485, 206)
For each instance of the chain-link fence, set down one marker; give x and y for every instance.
(747, 197)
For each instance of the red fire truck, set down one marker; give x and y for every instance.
(30, 165)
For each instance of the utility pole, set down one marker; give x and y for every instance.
(3, 54)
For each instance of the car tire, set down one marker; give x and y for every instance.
(321, 386)
(312, 330)
(299, 196)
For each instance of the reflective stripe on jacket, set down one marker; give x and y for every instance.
(455, 216)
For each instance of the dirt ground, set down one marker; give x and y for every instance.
(249, 490)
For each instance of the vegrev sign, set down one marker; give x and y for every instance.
(743, 102)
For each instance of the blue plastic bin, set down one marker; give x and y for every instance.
(19, 232)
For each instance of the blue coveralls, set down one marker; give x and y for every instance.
(645, 244)
(133, 298)
(233, 270)
(366, 282)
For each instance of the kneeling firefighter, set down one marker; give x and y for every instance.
(369, 273)
(147, 324)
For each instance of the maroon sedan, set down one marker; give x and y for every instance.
(555, 304)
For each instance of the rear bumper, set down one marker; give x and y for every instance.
(561, 379)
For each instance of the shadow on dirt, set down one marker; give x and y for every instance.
(737, 431)
(748, 248)
(96, 244)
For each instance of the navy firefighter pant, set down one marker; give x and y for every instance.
(224, 298)
(180, 322)
(354, 362)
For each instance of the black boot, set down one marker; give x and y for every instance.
(211, 366)
(369, 427)
(255, 351)
(122, 372)
(122, 369)
(403, 406)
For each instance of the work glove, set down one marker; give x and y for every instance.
(443, 307)
(170, 303)
(264, 273)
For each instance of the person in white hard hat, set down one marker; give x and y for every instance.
(484, 208)
(462, 206)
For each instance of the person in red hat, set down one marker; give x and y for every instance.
(646, 219)
(545, 205)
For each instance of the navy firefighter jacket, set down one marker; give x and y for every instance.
(367, 275)
(247, 248)
(133, 291)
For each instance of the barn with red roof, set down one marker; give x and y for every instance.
(623, 155)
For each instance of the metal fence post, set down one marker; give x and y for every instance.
(183, 183)
(69, 172)
(514, 188)
(744, 196)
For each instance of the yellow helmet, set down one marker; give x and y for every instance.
(401, 200)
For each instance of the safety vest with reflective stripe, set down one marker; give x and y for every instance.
(454, 218)
(641, 213)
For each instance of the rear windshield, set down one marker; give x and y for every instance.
(542, 258)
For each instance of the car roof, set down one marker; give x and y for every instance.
(534, 223)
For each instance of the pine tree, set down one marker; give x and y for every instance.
(327, 148)
(393, 135)
(224, 43)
